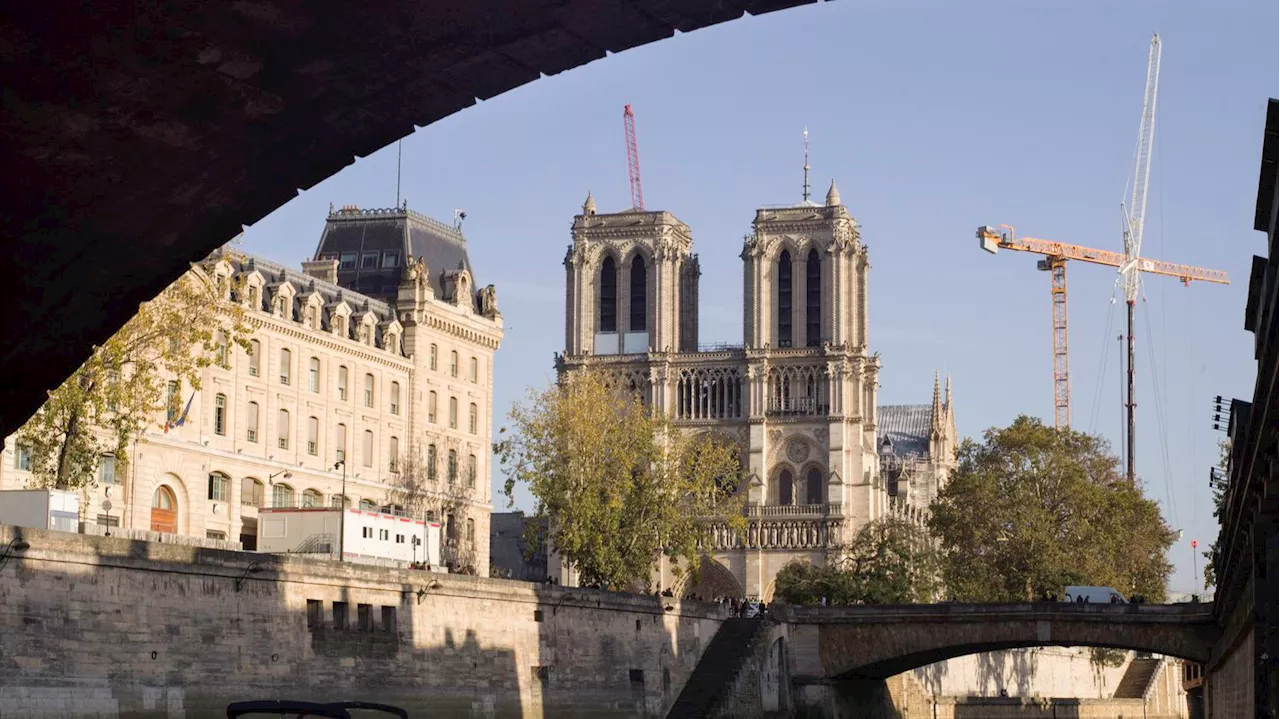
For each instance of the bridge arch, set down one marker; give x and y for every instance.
(876, 642)
(713, 580)
(222, 133)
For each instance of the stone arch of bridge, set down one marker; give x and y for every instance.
(713, 580)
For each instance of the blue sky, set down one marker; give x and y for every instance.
(934, 118)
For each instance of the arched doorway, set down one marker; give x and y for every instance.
(164, 511)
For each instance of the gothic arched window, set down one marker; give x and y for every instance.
(813, 300)
(785, 487)
(608, 296)
(784, 299)
(813, 486)
(638, 294)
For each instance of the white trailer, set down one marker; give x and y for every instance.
(367, 535)
(40, 509)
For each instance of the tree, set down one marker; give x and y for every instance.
(423, 491)
(891, 561)
(107, 403)
(619, 485)
(1033, 509)
(1219, 506)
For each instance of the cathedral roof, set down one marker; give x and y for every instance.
(907, 427)
(396, 230)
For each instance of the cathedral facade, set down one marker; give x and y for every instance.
(798, 397)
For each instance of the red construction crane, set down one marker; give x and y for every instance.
(633, 157)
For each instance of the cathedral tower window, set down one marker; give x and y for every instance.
(786, 487)
(813, 300)
(608, 296)
(784, 299)
(813, 486)
(638, 294)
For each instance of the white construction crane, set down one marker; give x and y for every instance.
(1134, 219)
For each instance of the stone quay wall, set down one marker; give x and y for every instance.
(113, 627)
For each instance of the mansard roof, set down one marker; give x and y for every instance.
(907, 427)
(276, 274)
(395, 230)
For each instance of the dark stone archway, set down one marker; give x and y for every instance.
(139, 136)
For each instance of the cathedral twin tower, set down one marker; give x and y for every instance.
(798, 397)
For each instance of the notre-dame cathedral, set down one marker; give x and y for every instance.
(798, 396)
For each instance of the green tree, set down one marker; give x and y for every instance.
(107, 403)
(890, 561)
(1033, 509)
(619, 485)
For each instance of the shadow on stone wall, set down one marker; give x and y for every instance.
(110, 627)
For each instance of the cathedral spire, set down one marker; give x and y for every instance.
(948, 394)
(936, 419)
(589, 207)
(806, 164)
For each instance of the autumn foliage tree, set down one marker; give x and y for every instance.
(1033, 509)
(620, 485)
(890, 561)
(107, 403)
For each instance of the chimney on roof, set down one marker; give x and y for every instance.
(326, 270)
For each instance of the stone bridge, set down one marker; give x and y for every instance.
(875, 642)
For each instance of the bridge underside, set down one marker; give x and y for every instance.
(141, 136)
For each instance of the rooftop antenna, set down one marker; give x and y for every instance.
(399, 154)
(806, 163)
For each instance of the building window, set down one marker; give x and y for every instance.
(399, 539)
(215, 534)
(637, 294)
(384, 535)
(340, 615)
(337, 501)
(453, 466)
(220, 348)
(367, 505)
(785, 487)
(471, 530)
(474, 419)
(475, 370)
(471, 472)
(431, 407)
(282, 496)
(313, 376)
(251, 423)
(311, 317)
(608, 296)
(254, 302)
(431, 462)
(368, 390)
(255, 354)
(340, 326)
(286, 359)
(347, 261)
(434, 353)
(283, 434)
(341, 453)
(173, 402)
(813, 300)
(367, 449)
(364, 615)
(342, 383)
(220, 415)
(390, 259)
(369, 261)
(784, 299)
(250, 492)
(106, 467)
(22, 458)
(219, 487)
(395, 398)
(366, 532)
(393, 448)
(813, 487)
(453, 413)
(313, 436)
(453, 363)
(311, 499)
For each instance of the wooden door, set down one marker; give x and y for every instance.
(164, 511)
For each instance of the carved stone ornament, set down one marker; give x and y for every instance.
(797, 450)
(821, 435)
(775, 435)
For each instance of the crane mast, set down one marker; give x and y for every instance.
(1135, 218)
(633, 157)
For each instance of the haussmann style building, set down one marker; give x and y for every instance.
(382, 346)
(798, 396)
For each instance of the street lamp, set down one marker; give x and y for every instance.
(342, 510)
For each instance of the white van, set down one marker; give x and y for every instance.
(1093, 595)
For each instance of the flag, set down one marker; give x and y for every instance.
(187, 410)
